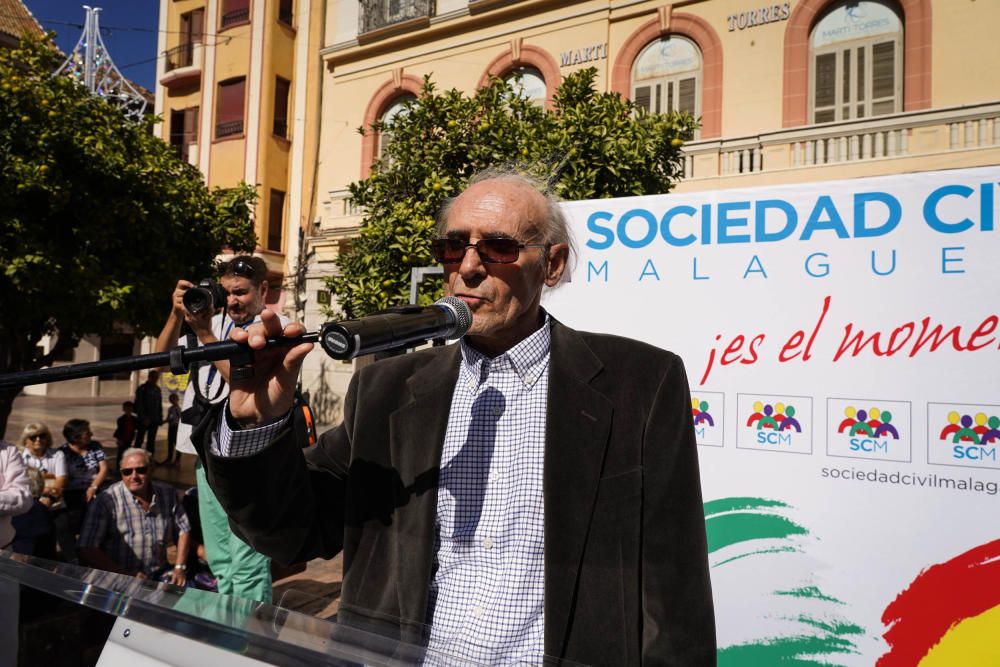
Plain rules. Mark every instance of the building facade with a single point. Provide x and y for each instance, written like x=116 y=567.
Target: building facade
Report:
x=235 y=79
x=788 y=92
x=235 y=82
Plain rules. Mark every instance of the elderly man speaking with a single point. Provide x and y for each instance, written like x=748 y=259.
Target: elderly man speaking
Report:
x=531 y=492
x=129 y=525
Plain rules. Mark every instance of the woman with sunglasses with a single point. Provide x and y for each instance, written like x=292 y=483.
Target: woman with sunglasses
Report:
x=36 y=529
x=38 y=454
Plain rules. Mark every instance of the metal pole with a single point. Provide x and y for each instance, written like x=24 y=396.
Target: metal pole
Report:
x=88 y=59
x=178 y=359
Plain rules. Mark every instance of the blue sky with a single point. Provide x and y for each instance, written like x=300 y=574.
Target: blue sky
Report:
x=128 y=28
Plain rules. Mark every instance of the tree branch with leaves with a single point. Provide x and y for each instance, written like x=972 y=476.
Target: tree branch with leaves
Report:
x=590 y=145
x=100 y=217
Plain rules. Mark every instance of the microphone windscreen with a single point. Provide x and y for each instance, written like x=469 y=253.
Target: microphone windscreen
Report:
x=462 y=312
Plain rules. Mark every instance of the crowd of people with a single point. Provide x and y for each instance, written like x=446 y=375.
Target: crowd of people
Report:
x=79 y=512
x=73 y=507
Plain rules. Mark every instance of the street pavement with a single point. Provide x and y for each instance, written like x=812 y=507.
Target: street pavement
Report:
x=314 y=591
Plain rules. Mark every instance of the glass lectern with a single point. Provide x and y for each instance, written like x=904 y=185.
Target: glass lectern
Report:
x=160 y=624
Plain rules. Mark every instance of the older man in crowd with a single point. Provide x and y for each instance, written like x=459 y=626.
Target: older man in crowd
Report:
x=129 y=525
x=531 y=492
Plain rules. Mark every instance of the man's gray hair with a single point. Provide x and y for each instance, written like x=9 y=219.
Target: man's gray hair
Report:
x=555 y=227
x=132 y=451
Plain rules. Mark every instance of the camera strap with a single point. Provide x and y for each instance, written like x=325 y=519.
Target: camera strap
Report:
x=195 y=378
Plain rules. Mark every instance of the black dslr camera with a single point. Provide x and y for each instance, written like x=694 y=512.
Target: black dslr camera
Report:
x=207 y=295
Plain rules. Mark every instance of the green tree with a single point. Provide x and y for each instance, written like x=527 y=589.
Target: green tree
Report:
x=99 y=217
x=590 y=145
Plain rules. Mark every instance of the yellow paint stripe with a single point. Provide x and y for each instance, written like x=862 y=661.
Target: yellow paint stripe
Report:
x=975 y=642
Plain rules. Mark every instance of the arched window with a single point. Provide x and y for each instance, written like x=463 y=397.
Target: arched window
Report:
x=538 y=70
x=667 y=76
x=397 y=107
x=528 y=82
x=856 y=53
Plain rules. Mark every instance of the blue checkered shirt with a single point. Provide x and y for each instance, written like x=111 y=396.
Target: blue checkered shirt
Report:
x=486 y=600
x=488 y=590
x=132 y=537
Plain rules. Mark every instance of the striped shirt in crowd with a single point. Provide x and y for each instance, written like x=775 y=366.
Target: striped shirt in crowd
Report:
x=82 y=469
x=133 y=538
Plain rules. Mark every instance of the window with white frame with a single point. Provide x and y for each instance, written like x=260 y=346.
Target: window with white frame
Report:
x=397 y=107
x=528 y=82
x=667 y=76
x=856 y=61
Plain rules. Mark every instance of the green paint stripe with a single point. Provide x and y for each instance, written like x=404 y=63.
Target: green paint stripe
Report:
x=802 y=651
x=839 y=628
x=722 y=505
x=774 y=550
x=808 y=592
x=729 y=529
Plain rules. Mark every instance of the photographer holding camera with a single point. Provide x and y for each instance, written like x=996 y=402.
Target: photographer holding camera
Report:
x=211 y=310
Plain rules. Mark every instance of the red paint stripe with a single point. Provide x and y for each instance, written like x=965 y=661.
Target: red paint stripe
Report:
x=939 y=598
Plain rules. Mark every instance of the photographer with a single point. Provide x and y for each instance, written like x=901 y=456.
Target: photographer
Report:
x=211 y=311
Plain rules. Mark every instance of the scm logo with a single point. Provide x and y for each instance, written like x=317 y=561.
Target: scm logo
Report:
x=972 y=437
x=775 y=423
x=974 y=452
x=702 y=417
x=875 y=427
x=869 y=445
x=708 y=412
x=774 y=438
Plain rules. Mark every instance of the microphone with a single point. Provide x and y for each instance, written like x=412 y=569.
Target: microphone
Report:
x=403 y=326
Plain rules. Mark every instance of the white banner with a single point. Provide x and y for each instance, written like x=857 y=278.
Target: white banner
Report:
x=841 y=341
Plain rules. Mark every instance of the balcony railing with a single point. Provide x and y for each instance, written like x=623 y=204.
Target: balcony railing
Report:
x=229 y=128
x=900 y=135
x=235 y=17
x=378 y=14
x=340 y=215
x=182 y=66
x=179 y=56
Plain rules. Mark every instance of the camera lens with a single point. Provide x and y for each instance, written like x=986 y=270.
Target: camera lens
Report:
x=197 y=299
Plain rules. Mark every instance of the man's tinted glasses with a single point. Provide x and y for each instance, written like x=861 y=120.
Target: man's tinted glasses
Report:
x=127 y=472
x=491 y=251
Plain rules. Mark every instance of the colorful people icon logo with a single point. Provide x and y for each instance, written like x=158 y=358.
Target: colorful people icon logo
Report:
x=874 y=423
x=778 y=417
x=701 y=414
x=978 y=429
